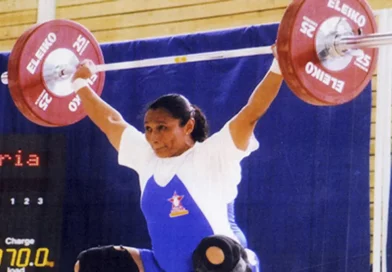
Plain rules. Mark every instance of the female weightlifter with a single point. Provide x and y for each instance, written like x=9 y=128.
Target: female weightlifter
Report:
x=187 y=179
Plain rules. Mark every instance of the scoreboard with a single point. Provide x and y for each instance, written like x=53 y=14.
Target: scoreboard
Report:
x=32 y=179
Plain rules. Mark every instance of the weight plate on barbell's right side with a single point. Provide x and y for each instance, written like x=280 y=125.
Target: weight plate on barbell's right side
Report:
x=304 y=31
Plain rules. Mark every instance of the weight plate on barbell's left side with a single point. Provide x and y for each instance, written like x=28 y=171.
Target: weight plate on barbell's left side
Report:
x=13 y=86
x=310 y=71
x=49 y=48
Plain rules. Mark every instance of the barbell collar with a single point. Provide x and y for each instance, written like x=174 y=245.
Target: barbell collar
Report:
x=4 y=78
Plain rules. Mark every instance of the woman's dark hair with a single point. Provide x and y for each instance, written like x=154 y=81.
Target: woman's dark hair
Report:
x=180 y=108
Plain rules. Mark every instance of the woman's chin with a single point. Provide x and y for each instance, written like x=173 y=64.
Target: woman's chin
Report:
x=162 y=153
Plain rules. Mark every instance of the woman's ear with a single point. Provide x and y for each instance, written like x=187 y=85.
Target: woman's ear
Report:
x=189 y=126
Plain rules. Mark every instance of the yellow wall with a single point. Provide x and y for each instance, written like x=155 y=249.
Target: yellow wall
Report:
x=114 y=20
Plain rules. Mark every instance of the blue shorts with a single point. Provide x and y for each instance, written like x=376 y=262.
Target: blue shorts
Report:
x=151 y=265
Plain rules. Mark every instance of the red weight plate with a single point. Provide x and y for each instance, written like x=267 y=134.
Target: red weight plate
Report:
x=51 y=44
x=13 y=80
x=331 y=82
x=287 y=71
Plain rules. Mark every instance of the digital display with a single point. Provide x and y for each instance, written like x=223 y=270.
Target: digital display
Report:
x=32 y=179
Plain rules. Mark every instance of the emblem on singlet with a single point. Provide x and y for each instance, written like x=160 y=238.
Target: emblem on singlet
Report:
x=177 y=208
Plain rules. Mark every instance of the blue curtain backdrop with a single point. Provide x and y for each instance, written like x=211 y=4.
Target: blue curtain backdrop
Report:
x=304 y=198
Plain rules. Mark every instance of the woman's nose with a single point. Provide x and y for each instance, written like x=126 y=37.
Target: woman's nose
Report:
x=155 y=135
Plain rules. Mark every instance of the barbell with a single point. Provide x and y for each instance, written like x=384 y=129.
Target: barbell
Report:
x=327 y=52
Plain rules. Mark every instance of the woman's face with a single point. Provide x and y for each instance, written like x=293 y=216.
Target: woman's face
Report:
x=164 y=133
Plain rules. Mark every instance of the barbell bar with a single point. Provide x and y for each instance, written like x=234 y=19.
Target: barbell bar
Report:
x=207 y=56
x=366 y=41
x=343 y=43
x=320 y=45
